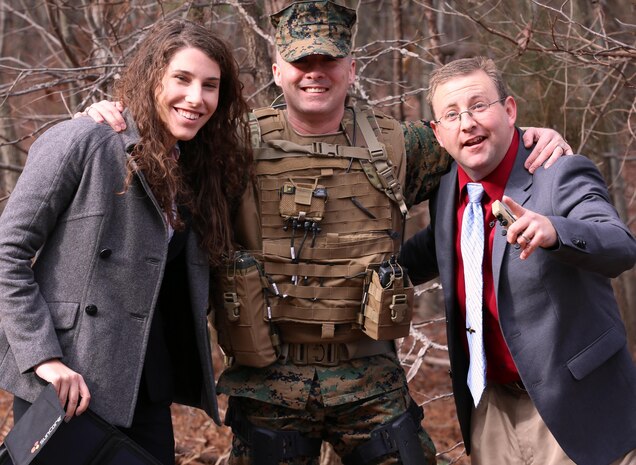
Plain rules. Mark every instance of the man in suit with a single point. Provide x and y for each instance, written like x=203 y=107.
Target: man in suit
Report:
x=542 y=375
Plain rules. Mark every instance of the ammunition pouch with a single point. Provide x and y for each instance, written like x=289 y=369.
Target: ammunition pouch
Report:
x=302 y=201
x=267 y=446
x=387 y=302
x=246 y=333
x=400 y=435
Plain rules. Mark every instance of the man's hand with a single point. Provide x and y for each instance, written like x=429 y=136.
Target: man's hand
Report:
x=531 y=230
x=550 y=146
x=69 y=385
x=110 y=112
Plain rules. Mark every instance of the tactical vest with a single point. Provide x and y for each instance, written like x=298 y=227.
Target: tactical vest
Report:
x=331 y=215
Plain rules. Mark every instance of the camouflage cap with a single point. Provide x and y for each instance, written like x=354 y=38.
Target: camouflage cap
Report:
x=313 y=28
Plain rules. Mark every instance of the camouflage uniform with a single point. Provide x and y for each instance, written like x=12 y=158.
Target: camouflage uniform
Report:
x=341 y=404
x=426 y=162
x=313 y=28
x=326 y=423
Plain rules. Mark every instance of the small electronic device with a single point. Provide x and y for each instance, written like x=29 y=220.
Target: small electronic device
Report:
x=389 y=270
x=503 y=213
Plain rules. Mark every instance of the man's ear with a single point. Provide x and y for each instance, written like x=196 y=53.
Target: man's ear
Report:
x=510 y=105
x=352 y=72
x=276 y=73
x=435 y=129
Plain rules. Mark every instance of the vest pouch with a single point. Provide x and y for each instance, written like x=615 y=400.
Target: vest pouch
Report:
x=245 y=331
x=387 y=306
x=303 y=201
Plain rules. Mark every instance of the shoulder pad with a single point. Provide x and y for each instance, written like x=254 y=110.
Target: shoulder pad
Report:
x=264 y=112
x=263 y=122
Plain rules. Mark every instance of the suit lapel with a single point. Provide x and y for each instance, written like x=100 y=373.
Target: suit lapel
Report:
x=518 y=189
x=445 y=229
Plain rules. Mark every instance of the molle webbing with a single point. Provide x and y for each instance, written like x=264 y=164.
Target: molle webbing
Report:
x=315 y=292
x=318 y=262
x=262 y=122
x=315 y=313
x=374 y=158
x=310 y=269
x=347 y=251
x=344 y=216
x=284 y=149
x=322 y=166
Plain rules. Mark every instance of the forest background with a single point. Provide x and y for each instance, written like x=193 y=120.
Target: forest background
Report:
x=571 y=65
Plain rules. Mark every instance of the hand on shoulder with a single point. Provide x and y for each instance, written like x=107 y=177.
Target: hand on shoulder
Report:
x=106 y=111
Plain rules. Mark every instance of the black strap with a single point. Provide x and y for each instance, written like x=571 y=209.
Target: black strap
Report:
x=400 y=435
x=267 y=446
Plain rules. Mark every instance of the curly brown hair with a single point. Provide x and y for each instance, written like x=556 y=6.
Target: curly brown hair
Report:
x=215 y=166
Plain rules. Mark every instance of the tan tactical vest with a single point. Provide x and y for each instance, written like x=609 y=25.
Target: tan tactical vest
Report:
x=330 y=209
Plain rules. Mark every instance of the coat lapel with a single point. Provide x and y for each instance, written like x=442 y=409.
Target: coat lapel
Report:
x=518 y=189
x=445 y=231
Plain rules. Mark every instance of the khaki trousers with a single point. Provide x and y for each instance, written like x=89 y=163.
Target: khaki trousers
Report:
x=507 y=429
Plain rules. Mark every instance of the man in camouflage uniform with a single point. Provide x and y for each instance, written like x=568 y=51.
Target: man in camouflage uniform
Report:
x=360 y=403
x=281 y=413
x=341 y=404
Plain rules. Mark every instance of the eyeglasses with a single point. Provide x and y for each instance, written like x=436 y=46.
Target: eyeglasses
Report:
x=452 y=119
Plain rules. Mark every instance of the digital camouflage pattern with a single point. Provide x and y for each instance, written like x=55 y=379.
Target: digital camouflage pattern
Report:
x=426 y=162
x=344 y=426
x=313 y=27
x=289 y=385
x=339 y=404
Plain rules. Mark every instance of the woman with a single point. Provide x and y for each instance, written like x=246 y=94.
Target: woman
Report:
x=106 y=242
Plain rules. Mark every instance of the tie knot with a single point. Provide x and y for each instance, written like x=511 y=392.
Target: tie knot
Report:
x=475 y=192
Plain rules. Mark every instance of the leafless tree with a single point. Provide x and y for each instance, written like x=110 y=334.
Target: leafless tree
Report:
x=570 y=64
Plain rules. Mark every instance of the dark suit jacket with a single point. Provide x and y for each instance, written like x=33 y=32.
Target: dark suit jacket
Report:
x=557 y=309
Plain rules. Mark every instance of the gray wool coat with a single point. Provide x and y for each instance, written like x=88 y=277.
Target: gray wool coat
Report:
x=100 y=254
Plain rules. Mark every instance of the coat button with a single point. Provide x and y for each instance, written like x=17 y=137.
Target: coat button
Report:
x=105 y=253
x=91 y=310
x=580 y=243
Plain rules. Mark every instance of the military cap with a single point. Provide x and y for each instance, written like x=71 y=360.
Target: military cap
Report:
x=314 y=27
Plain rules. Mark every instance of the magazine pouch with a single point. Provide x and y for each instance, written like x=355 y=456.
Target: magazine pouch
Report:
x=303 y=201
x=244 y=326
x=387 y=302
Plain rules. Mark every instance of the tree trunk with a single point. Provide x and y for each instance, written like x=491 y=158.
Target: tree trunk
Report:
x=9 y=154
x=259 y=58
x=398 y=72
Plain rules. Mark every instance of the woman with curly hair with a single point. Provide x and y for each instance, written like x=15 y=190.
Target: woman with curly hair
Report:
x=107 y=240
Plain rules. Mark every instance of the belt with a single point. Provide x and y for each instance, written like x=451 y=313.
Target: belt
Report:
x=331 y=354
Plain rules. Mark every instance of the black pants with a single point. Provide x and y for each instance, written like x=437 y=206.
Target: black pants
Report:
x=151 y=427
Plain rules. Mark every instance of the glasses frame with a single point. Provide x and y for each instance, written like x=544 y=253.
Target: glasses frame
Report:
x=470 y=110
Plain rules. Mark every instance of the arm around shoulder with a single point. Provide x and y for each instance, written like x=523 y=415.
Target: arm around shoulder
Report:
x=426 y=162
x=418 y=257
